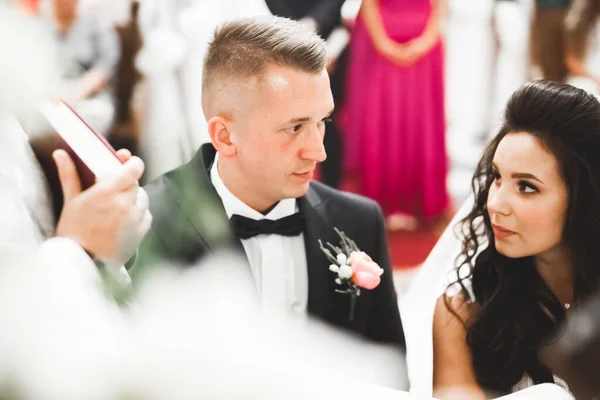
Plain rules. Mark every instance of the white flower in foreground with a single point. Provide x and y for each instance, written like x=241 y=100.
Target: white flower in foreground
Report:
x=342 y=258
x=345 y=272
x=334 y=268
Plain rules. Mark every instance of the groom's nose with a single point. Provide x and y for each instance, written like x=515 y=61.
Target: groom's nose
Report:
x=313 y=149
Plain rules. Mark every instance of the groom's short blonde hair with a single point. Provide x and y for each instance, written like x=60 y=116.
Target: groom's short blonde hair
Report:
x=245 y=48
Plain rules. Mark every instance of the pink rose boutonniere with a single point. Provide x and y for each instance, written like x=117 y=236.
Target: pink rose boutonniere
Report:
x=355 y=270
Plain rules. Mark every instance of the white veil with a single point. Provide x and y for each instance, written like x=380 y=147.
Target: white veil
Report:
x=418 y=304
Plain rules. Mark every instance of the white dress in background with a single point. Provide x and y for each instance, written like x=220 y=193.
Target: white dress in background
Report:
x=512 y=21
x=469 y=65
x=176 y=34
x=197 y=24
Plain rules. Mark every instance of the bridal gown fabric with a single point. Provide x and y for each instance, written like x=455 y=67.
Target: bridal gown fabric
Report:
x=394 y=117
x=176 y=35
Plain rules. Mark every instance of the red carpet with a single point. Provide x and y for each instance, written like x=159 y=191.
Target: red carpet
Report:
x=407 y=249
x=410 y=249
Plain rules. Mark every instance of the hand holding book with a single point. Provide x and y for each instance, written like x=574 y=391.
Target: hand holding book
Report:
x=108 y=219
x=97 y=198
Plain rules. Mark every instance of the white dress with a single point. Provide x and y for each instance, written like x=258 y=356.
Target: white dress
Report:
x=469 y=66
x=527 y=382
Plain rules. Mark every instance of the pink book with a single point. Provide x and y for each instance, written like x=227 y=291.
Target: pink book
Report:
x=94 y=157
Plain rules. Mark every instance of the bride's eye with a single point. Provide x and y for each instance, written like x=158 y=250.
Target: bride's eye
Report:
x=527 y=188
x=495 y=176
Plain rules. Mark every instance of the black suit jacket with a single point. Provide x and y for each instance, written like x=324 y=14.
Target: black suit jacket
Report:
x=190 y=222
x=327 y=13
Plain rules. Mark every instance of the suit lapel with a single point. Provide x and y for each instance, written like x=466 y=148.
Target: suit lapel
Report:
x=201 y=204
x=321 y=285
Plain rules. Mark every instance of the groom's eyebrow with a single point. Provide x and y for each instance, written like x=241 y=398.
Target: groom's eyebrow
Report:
x=298 y=120
x=306 y=119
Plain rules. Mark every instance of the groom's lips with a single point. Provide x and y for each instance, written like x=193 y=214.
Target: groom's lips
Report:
x=305 y=175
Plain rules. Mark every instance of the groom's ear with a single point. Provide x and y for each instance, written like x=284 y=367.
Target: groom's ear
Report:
x=220 y=136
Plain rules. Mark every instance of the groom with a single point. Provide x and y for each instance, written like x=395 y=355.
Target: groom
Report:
x=267 y=99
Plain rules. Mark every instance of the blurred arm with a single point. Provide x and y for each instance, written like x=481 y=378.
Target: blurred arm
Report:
x=430 y=36
x=108 y=50
x=372 y=18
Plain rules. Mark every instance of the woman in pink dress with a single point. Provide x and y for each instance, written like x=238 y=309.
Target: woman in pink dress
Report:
x=395 y=109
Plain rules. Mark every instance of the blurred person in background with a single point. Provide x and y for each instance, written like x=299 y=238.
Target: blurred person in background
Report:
x=529 y=246
x=89 y=53
x=112 y=13
x=323 y=16
x=31 y=7
x=548 y=44
x=89 y=219
x=583 y=45
x=395 y=105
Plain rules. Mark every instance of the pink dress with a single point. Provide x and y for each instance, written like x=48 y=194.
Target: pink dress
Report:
x=394 y=117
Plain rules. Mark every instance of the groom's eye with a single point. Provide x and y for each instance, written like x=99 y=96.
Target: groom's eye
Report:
x=295 y=128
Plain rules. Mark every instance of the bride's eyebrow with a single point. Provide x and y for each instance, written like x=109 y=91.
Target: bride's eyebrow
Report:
x=526 y=175
x=520 y=175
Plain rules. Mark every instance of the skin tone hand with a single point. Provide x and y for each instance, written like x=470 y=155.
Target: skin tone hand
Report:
x=399 y=54
x=402 y=54
x=111 y=217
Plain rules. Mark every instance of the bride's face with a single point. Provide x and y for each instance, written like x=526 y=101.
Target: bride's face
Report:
x=528 y=199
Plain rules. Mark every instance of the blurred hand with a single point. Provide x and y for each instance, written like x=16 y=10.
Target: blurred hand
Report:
x=420 y=47
x=110 y=218
x=398 y=54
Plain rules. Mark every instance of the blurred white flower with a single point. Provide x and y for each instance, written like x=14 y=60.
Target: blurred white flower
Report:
x=345 y=272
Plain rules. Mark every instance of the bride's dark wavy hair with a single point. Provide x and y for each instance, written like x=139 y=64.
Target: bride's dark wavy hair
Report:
x=515 y=314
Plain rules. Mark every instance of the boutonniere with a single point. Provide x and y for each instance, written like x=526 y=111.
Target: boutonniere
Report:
x=355 y=270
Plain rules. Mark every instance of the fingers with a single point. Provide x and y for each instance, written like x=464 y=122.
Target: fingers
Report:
x=128 y=178
x=143 y=219
x=67 y=174
x=139 y=207
x=144 y=226
x=124 y=155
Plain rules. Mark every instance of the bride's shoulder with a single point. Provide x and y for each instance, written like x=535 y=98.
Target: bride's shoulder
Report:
x=453 y=310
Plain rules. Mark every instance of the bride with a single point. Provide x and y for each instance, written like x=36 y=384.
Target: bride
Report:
x=529 y=246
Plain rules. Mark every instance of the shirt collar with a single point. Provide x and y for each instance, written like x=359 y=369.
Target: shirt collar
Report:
x=233 y=205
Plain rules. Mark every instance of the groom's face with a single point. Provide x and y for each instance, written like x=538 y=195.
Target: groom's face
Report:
x=280 y=138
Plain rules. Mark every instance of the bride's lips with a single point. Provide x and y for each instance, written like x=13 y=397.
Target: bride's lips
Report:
x=502 y=233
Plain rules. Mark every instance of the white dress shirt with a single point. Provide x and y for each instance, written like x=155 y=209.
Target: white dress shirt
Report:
x=278 y=262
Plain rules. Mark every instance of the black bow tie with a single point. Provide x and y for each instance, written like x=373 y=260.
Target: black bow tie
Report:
x=246 y=228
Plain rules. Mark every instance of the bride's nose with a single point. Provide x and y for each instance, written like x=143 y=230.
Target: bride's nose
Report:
x=498 y=200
